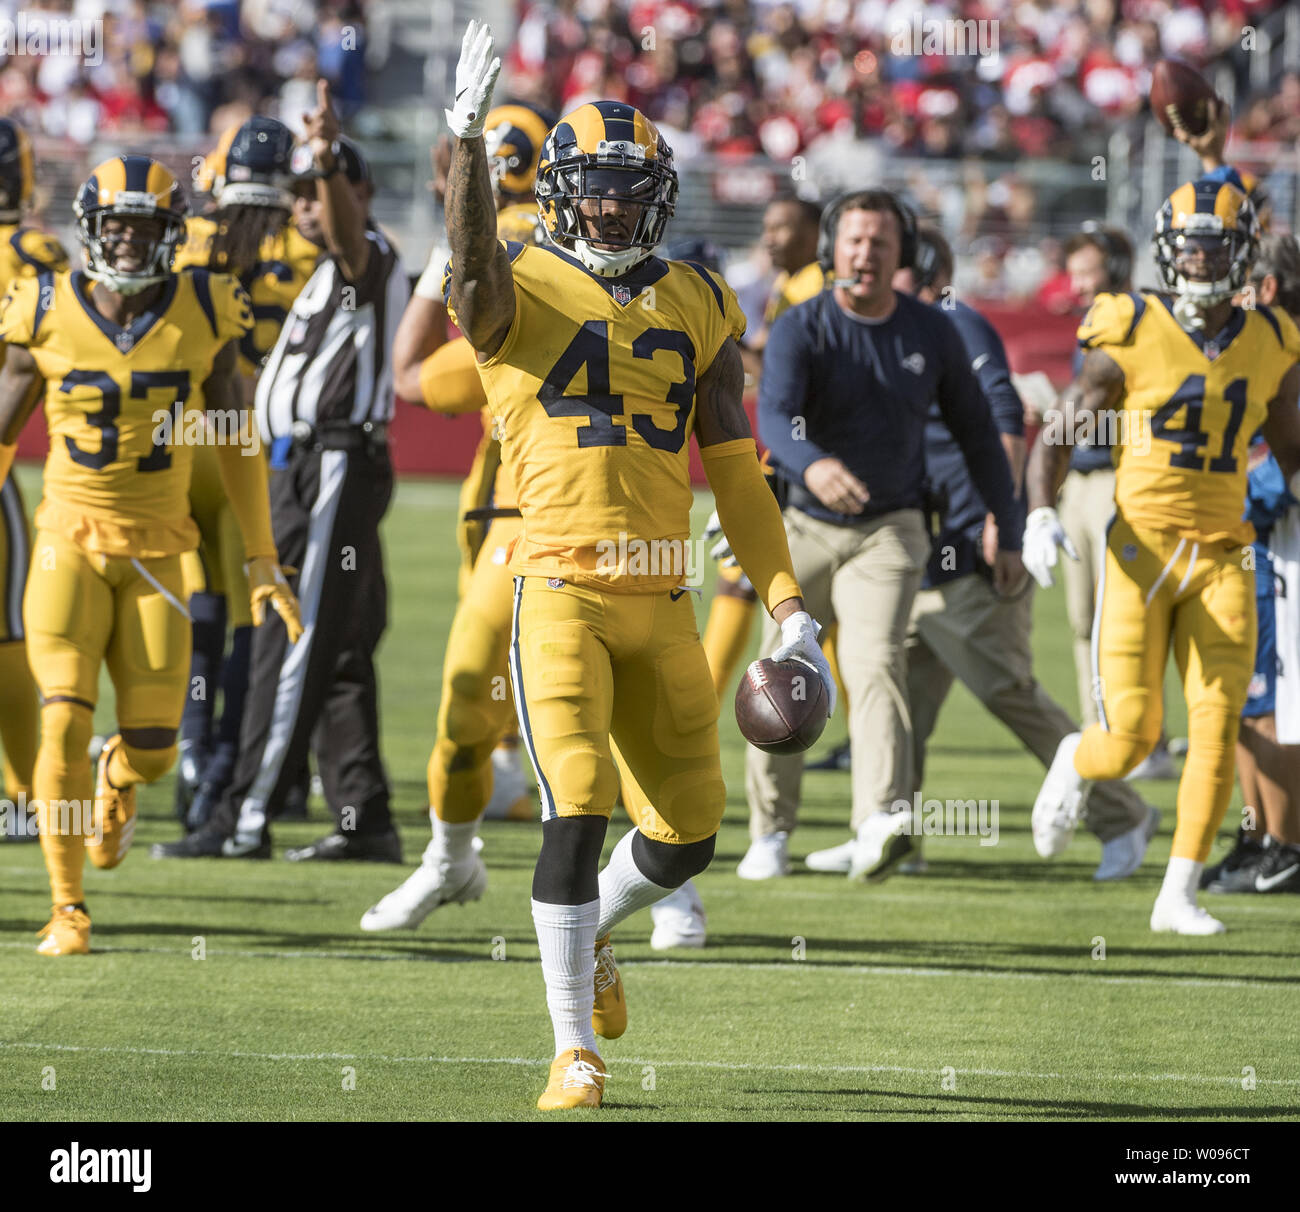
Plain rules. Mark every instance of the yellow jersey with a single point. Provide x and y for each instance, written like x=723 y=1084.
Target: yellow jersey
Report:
x=790 y=289
x=592 y=395
x=285 y=261
x=1190 y=407
x=25 y=252
x=121 y=404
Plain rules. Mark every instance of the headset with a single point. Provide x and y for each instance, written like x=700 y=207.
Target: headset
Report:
x=1118 y=258
x=831 y=221
x=925 y=264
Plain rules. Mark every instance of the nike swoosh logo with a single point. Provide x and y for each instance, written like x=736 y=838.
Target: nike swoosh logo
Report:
x=1267 y=884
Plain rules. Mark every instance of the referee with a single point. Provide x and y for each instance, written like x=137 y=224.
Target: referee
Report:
x=324 y=400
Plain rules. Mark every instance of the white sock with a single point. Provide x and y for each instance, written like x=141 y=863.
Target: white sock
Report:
x=452 y=844
x=1182 y=878
x=567 y=936
x=623 y=889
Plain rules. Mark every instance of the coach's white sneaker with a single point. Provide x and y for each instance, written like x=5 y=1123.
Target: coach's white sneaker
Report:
x=836 y=859
x=680 y=920
x=882 y=843
x=1061 y=800
x=427 y=887
x=511 y=799
x=1173 y=915
x=767 y=858
x=1123 y=855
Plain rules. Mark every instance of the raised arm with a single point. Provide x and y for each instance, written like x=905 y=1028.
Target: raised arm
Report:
x=342 y=217
x=1097 y=388
x=482 y=289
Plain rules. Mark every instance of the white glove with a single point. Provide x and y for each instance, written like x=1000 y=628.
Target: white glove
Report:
x=476 y=74
x=799 y=634
x=722 y=549
x=1043 y=535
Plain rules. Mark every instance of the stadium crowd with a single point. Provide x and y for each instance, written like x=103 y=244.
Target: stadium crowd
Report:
x=179 y=67
x=739 y=78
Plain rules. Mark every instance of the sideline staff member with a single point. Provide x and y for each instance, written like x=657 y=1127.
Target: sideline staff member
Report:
x=848 y=378
x=323 y=405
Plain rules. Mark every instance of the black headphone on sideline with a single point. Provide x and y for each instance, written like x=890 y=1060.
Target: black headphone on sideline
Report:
x=925 y=265
x=831 y=221
x=1118 y=259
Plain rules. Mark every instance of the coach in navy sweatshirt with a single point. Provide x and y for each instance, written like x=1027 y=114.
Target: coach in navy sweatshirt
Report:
x=848 y=381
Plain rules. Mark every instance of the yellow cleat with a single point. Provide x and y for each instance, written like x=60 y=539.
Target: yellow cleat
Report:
x=609 y=1011
x=577 y=1080
x=68 y=932
x=114 y=813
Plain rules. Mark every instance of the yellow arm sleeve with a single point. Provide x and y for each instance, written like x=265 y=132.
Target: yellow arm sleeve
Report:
x=751 y=519
x=449 y=381
x=243 y=472
x=7 y=458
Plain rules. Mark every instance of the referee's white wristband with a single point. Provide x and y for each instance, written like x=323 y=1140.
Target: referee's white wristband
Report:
x=430 y=284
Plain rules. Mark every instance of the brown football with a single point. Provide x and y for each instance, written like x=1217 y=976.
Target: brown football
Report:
x=1178 y=97
x=781 y=706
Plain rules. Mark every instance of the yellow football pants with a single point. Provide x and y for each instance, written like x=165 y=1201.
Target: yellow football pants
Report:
x=17 y=689
x=589 y=668
x=82 y=611
x=476 y=708
x=1157 y=589
x=221 y=546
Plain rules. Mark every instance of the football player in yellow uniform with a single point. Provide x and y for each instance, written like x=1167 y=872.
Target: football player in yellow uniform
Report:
x=1191 y=377
x=469 y=772
x=599 y=361
x=24 y=252
x=248 y=234
x=125 y=357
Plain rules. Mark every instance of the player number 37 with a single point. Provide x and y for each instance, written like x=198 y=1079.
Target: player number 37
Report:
x=600 y=405
x=105 y=419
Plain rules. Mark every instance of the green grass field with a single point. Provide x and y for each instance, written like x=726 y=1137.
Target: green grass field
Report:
x=974 y=991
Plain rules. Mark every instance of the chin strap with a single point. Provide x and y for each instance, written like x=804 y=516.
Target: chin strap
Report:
x=122 y=284
x=609 y=264
x=1190 y=312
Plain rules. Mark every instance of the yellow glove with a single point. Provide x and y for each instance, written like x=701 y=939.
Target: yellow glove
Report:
x=266 y=583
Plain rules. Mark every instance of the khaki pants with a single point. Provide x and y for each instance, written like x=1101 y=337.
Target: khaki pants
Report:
x=1087 y=504
x=865 y=577
x=962 y=629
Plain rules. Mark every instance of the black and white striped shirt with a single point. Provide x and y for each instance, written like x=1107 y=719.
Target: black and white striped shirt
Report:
x=332 y=363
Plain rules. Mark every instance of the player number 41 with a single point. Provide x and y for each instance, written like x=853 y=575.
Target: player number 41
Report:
x=1190 y=436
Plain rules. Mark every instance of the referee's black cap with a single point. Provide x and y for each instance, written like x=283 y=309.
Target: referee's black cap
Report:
x=352 y=162
x=355 y=167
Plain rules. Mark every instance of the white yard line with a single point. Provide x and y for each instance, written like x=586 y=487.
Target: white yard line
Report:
x=183 y=948
x=727 y=1066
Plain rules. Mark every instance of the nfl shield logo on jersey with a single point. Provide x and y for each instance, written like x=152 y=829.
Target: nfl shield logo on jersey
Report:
x=622 y=294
